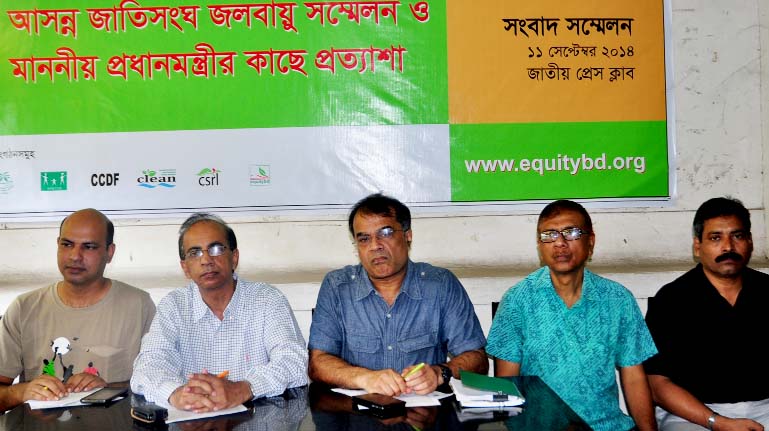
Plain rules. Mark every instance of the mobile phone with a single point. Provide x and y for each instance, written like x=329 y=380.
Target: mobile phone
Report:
x=380 y=405
x=104 y=395
x=149 y=414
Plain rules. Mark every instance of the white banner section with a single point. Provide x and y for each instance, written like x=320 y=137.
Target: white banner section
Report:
x=227 y=170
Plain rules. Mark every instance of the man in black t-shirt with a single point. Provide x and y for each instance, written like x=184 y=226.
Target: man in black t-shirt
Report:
x=708 y=326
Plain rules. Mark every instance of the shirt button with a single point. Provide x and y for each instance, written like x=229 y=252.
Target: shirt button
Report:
x=389 y=347
x=422 y=274
x=352 y=277
x=389 y=315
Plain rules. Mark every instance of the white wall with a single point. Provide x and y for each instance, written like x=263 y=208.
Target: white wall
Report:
x=721 y=89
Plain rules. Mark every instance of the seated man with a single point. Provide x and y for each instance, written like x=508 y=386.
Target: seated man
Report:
x=574 y=328
x=375 y=321
x=708 y=325
x=77 y=334
x=221 y=340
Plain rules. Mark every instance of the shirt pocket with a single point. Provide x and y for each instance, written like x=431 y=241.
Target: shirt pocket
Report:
x=419 y=347
x=365 y=351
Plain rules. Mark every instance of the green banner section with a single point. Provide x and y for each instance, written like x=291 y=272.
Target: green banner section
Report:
x=389 y=69
x=511 y=162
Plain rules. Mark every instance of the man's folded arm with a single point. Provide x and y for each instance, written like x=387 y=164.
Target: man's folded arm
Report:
x=10 y=394
x=287 y=366
x=471 y=360
x=678 y=400
x=335 y=371
x=157 y=368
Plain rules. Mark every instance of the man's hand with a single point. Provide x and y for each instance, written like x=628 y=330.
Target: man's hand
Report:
x=222 y=392
x=84 y=382
x=422 y=381
x=385 y=382
x=724 y=423
x=44 y=388
x=188 y=398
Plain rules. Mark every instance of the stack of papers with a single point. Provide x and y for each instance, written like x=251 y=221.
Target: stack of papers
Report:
x=177 y=415
x=476 y=390
x=412 y=400
x=482 y=414
x=70 y=400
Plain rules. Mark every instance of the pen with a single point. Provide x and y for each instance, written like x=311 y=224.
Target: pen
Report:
x=223 y=374
x=414 y=370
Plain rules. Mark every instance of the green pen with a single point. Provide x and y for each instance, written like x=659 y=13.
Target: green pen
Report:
x=414 y=370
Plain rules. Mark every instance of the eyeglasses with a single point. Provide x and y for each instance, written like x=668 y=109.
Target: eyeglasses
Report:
x=569 y=234
x=213 y=251
x=384 y=233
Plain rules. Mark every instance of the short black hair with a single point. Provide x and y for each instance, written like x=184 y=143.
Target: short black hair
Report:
x=719 y=207
x=110 y=231
x=232 y=242
x=556 y=207
x=382 y=205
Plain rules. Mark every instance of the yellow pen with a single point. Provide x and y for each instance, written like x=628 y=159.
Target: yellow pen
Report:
x=414 y=370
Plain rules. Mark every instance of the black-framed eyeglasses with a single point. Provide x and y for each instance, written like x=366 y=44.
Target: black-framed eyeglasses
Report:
x=213 y=251
x=384 y=233
x=569 y=234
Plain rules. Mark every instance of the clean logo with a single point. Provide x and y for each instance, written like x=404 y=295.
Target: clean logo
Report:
x=161 y=178
x=208 y=177
x=53 y=181
x=105 y=180
x=6 y=182
x=259 y=175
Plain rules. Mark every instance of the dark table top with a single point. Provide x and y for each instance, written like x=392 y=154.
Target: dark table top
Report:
x=315 y=408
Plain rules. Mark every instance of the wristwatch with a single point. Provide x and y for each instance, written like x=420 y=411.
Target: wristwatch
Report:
x=446 y=373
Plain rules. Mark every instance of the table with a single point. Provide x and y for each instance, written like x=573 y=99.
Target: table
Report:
x=313 y=408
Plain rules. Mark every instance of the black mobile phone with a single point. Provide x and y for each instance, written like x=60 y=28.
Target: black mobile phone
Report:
x=149 y=414
x=104 y=395
x=380 y=405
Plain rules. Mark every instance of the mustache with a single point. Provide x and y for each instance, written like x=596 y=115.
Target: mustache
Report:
x=730 y=255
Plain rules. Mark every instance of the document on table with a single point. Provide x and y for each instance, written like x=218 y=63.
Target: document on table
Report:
x=176 y=415
x=71 y=400
x=412 y=400
x=470 y=397
x=486 y=413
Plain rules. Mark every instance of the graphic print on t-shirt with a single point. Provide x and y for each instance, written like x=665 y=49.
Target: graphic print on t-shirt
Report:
x=91 y=369
x=60 y=347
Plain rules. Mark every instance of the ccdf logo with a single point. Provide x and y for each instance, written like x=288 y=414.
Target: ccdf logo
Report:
x=101 y=180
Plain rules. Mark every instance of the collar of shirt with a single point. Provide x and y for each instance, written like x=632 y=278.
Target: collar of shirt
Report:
x=363 y=287
x=200 y=309
x=746 y=291
x=589 y=292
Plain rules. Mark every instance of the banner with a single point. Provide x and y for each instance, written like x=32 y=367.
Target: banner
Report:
x=148 y=106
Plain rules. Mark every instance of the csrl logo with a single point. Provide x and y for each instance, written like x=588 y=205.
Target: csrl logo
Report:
x=208 y=177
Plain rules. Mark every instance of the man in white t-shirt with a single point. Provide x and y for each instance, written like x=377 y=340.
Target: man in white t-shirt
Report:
x=77 y=334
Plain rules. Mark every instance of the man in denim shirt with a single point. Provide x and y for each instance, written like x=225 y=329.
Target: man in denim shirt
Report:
x=374 y=322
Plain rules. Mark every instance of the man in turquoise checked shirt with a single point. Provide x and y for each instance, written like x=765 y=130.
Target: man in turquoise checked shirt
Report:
x=574 y=328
